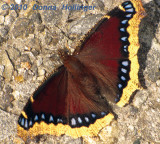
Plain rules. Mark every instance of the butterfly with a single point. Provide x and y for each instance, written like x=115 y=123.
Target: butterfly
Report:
x=103 y=69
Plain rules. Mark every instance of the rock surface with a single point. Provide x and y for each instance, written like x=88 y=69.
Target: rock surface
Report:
x=29 y=40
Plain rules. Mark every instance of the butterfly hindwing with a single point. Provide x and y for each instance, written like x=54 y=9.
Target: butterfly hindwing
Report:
x=65 y=107
x=48 y=100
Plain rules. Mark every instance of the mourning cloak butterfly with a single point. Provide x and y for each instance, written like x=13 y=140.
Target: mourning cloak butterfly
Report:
x=104 y=68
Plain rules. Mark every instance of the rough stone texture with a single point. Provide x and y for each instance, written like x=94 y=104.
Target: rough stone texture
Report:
x=4 y=9
x=29 y=42
x=8 y=66
x=8 y=126
x=22 y=27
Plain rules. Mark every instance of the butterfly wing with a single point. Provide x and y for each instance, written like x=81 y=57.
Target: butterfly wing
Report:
x=111 y=51
x=59 y=106
x=47 y=104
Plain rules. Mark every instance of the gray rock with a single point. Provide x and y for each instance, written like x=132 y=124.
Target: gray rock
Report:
x=136 y=123
x=83 y=25
x=8 y=20
x=140 y=98
x=137 y=141
x=36 y=18
x=52 y=17
x=48 y=39
x=1 y=40
x=40 y=28
x=34 y=44
x=1 y=82
x=1 y=19
x=13 y=53
x=39 y=61
x=13 y=13
x=157 y=2
x=8 y=67
x=25 y=58
x=34 y=69
x=4 y=31
x=8 y=89
x=23 y=27
x=1 y=69
x=4 y=8
x=98 y=4
x=150 y=126
x=6 y=98
x=8 y=126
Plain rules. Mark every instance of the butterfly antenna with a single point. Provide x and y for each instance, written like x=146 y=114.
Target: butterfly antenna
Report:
x=63 y=33
x=66 y=44
x=60 y=30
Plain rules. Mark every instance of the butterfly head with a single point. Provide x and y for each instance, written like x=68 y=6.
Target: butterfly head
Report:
x=63 y=53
